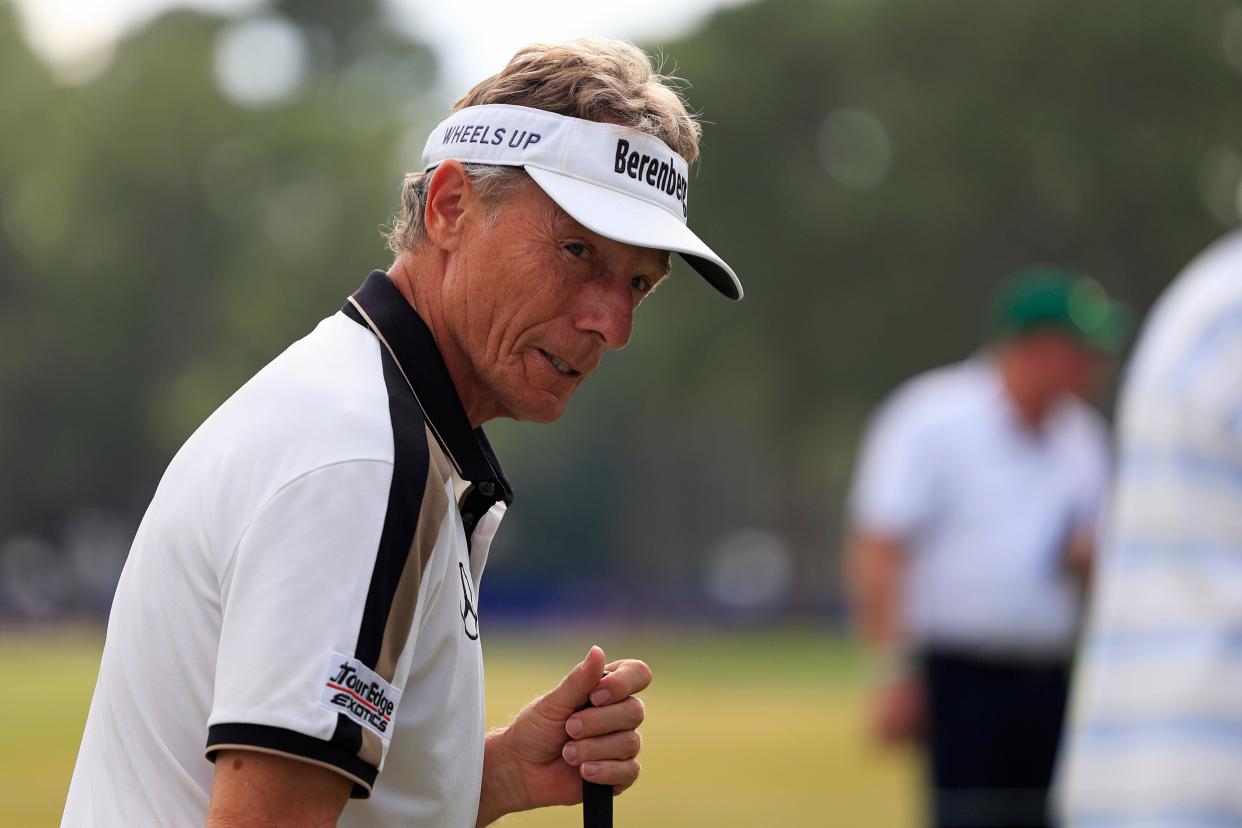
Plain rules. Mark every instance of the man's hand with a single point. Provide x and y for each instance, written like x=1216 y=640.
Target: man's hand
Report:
x=899 y=714
x=543 y=756
x=1080 y=558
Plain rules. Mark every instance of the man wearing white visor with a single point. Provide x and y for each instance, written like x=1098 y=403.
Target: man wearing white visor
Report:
x=295 y=639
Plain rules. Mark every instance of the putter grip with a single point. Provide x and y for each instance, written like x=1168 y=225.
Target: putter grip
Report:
x=596 y=799
x=596 y=805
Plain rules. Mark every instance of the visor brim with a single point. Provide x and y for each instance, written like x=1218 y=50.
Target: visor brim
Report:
x=623 y=218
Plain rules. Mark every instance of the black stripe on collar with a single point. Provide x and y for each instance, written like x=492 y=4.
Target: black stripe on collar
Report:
x=415 y=351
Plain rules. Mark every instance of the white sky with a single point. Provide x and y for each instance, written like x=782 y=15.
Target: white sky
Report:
x=472 y=39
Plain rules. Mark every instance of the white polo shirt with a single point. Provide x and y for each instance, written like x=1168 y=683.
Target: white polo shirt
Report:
x=986 y=507
x=304 y=583
x=1155 y=735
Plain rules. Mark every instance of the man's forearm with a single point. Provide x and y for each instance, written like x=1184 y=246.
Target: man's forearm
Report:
x=875 y=572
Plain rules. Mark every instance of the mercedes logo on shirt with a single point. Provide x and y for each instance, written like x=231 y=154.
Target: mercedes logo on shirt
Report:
x=469 y=617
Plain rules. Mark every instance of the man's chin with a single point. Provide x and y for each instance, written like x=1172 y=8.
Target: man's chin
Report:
x=538 y=407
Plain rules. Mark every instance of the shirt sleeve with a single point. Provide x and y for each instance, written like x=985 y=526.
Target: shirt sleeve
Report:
x=309 y=589
x=893 y=486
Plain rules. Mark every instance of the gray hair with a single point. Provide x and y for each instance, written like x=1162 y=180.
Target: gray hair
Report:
x=493 y=183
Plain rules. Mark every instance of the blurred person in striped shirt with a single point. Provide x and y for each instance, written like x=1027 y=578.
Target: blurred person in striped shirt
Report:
x=1155 y=729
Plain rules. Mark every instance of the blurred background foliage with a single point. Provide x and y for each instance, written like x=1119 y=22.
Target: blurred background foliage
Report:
x=872 y=170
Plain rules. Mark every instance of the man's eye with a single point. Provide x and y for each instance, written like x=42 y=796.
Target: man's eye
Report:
x=578 y=251
x=641 y=284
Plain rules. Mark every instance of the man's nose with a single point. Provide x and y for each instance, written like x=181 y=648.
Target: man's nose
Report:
x=607 y=310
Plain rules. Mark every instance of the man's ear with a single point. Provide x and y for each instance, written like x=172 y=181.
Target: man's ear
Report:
x=451 y=203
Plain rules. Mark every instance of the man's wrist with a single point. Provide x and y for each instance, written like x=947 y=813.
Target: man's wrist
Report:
x=502 y=790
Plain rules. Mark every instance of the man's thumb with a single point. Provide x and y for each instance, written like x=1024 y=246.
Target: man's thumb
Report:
x=574 y=689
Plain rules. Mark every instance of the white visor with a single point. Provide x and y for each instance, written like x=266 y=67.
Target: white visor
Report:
x=625 y=185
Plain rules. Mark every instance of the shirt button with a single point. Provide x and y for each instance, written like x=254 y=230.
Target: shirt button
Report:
x=488 y=488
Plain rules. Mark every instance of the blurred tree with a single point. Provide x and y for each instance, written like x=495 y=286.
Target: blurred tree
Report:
x=339 y=19
x=872 y=169
x=162 y=242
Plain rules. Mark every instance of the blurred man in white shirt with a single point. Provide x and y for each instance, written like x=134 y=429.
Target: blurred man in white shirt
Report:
x=973 y=508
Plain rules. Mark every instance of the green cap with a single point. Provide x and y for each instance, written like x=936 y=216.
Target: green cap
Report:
x=1054 y=297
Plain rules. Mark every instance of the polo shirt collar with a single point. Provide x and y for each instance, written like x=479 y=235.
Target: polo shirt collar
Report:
x=408 y=339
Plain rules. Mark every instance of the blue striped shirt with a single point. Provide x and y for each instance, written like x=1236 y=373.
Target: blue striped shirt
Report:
x=1155 y=732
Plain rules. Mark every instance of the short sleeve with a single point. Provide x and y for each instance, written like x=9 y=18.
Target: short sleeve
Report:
x=294 y=600
x=893 y=486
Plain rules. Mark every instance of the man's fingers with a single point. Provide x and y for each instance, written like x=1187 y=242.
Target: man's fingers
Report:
x=572 y=692
x=599 y=721
x=625 y=678
x=619 y=774
x=623 y=745
x=584 y=682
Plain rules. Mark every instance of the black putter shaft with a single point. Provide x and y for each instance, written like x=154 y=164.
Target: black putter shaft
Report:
x=596 y=805
x=596 y=799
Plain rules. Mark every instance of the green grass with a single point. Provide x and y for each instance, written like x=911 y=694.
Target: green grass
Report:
x=743 y=729
x=53 y=679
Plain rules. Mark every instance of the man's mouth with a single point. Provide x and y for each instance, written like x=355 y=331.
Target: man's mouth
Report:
x=559 y=364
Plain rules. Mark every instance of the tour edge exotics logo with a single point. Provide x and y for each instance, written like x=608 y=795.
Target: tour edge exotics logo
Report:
x=661 y=174
x=355 y=690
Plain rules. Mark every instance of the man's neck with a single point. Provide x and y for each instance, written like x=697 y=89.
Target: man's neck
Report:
x=420 y=281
